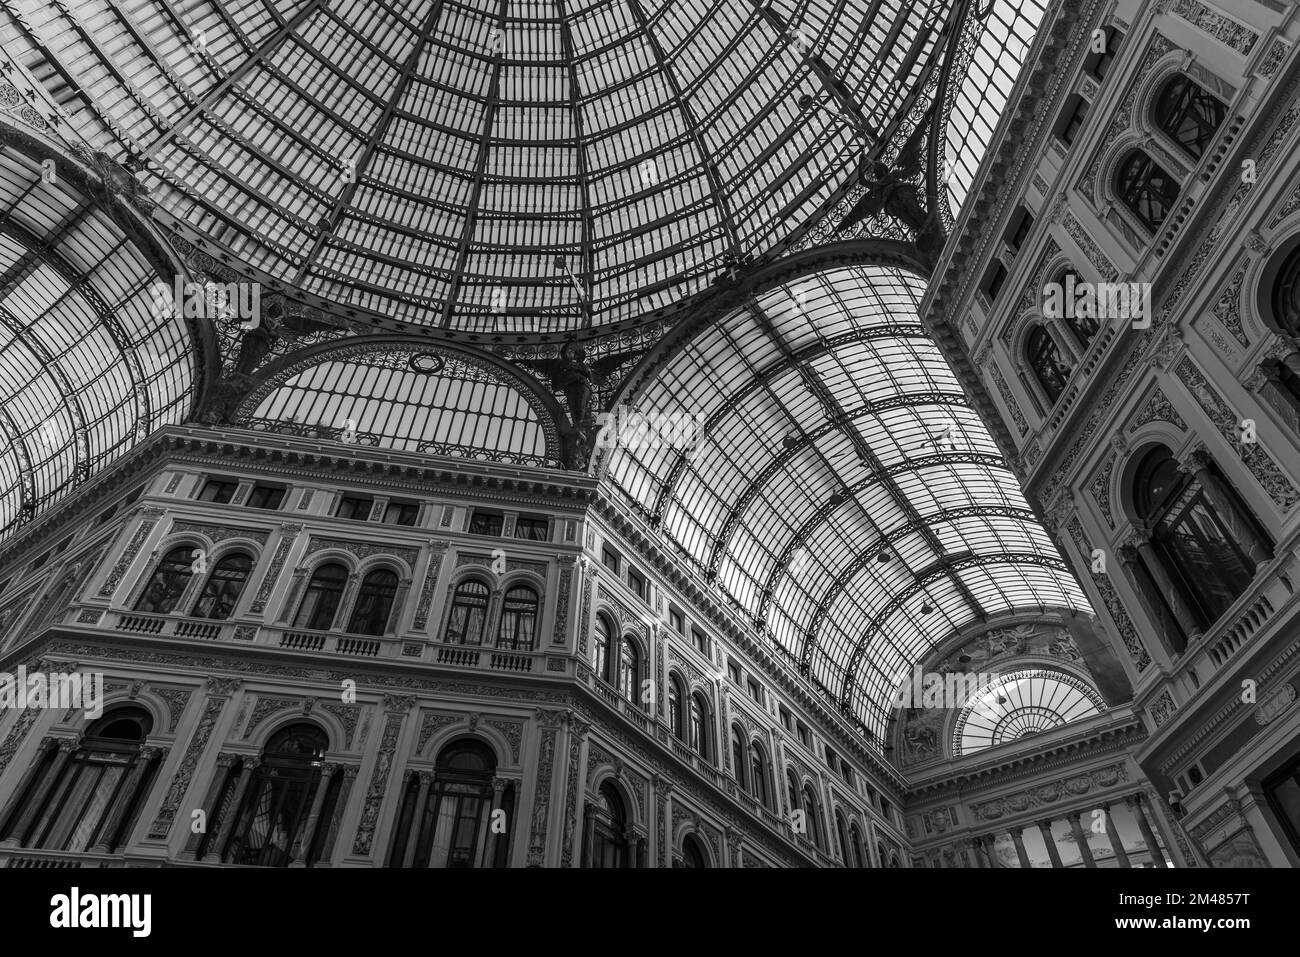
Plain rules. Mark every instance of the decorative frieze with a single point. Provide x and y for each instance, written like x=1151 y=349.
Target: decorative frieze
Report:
x=1227 y=309
x=1074 y=229
x=1163 y=708
x=1099 y=488
x=378 y=782
x=1157 y=408
x=362 y=549
x=542 y=794
x=1051 y=793
x=288 y=534
x=562 y=604
x=1224 y=29
x=212 y=707
x=437 y=549
x=128 y=555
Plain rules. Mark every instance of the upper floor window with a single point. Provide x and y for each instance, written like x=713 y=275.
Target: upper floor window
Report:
x=321 y=602
x=757 y=773
x=810 y=815
x=636 y=581
x=995 y=280
x=518 y=619
x=1019 y=232
x=220 y=491
x=1078 y=311
x=1202 y=536
x=468 y=613
x=266 y=496
x=787 y=720
x=629 y=670
x=1146 y=188
x=486 y=523
x=224 y=586
x=532 y=529
x=374 y=603
x=675 y=723
x=168 y=581
x=1189 y=114
x=804 y=737
x=400 y=513
x=675 y=619
x=355 y=506
x=1099 y=60
x=700 y=640
x=738 y=755
x=832 y=759
x=601 y=641
x=733 y=672
x=609 y=558
x=755 y=690
x=1076 y=111
x=699 y=729
x=1045 y=362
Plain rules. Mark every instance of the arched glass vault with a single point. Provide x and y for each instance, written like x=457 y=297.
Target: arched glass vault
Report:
x=845 y=495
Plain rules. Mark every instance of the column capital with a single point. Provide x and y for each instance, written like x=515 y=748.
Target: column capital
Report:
x=499 y=784
x=1196 y=459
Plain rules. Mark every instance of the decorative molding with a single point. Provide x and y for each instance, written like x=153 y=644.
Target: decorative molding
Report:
x=378 y=783
x=1224 y=29
x=1051 y=793
x=288 y=534
x=185 y=771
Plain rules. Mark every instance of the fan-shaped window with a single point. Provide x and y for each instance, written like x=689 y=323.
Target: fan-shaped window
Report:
x=1022 y=704
x=608 y=844
x=224 y=586
x=1189 y=114
x=1046 y=363
x=699 y=728
x=276 y=804
x=692 y=855
x=321 y=600
x=468 y=616
x=629 y=670
x=168 y=582
x=675 y=701
x=518 y=619
x=601 y=641
x=375 y=398
x=1146 y=188
x=374 y=603
x=757 y=773
x=738 y=755
x=89 y=802
x=1192 y=520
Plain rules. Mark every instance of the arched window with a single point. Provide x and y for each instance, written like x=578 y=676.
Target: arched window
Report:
x=810 y=816
x=675 y=722
x=168 y=581
x=374 y=603
x=224 y=586
x=855 y=841
x=1080 y=312
x=842 y=835
x=321 y=601
x=91 y=802
x=1198 y=532
x=518 y=619
x=468 y=613
x=792 y=790
x=1146 y=188
x=699 y=730
x=757 y=773
x=1045 y=360
x=738 y=755
x=457 y=814
x=692 y=855
x=1189 y=114
x=271 y=818
x=629 y=666
x=601 y=643
x=608 y=842
x=1285 y=298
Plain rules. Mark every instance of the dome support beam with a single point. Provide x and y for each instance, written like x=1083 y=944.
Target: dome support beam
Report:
x=586 y=268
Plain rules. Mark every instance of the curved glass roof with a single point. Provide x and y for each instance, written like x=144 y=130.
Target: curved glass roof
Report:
x=1022 y=703
x=845 y=493
x=87 y=366
x=484 y=165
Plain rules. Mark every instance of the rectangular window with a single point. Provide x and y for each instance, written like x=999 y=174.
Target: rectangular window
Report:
x=1283 y=791
x=486 y=523
x=884 y=809
x=675 y=619
x=832 y=759
x=733 y=672
x=355 y=506
x=701 y=641
x=266 y=496
x=755 y=690
x=400 y=513
x=636 y=581
x=1021 y=232
x=848 y=774
x=787 y=720
x=609 y=558
x=533 y=529
x=1072 y=120
x=218 y=491
x=804 y=737
x=996 y=277
x=1098 y=63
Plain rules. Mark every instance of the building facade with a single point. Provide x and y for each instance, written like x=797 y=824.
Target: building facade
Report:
x=333 y=629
